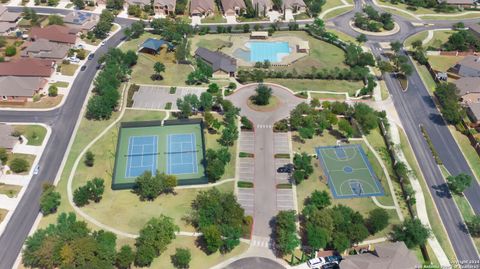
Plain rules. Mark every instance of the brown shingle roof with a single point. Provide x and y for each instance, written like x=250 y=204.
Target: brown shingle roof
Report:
x=471 y=61
x=20 y=86
x=7 y=141
x=201 y=6
x=55 y=33
x=217 y=60
x=467 y=85
x=292 y=3
x=262 y=3
x=232 y=5
x=27 y=67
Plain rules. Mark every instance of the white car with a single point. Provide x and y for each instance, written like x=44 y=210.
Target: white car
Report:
x=36 y=170
x=73 y=59
x=316 y=263
x=103 y=43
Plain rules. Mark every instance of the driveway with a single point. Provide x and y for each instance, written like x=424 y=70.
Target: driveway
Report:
x=265 y=182
x=157 y=97
x=254 y=263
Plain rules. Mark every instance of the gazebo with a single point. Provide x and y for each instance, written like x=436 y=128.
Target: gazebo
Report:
x=153 y=45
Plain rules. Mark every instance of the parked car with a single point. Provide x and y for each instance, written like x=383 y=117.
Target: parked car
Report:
x=316 y=263
x=103 y=43
x=288 y=168
x=36 y=170
x=91 y=55
x=332 y=265
x=329 y=262
x=73 y=59
x=83 y=68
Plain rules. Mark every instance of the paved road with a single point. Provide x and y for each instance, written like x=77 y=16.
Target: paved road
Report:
x=254 y=263
x=415 y=107
x=63 y=122
x=264 y=172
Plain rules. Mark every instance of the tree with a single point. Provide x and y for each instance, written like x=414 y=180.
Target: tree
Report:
x=125 y=257
x=396 y=46
x=148 y=186
x=263 y=95
x=385 y=67
x=49 y=200
x=89 y=159
x=52 y=91
x=95 y=188
x=366 y=117
x=340 y=242
x=285 y=232
x=447 y=94
x=377 y=220
x=10 y=51
x=317 y=237
x=159 y=68
x=79 y=4
x=19 y=165
x=3 y=156
x=212 y=238
x=406 y=69
x=55 y=19
x=181 y=259
x=229 y=135
x=303 y=167
x=319 y=199
x=81 y=196
x=153 y=239
x=213 y=88
x=473 y=226
x=345 y=127
x=306 y=132
x=206 y=101
x=459 y=183
x=362 y=38
x=412 y=232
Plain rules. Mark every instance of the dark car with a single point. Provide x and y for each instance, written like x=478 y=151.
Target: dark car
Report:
x=91 y=56
x=282 y=169
x=83 y=68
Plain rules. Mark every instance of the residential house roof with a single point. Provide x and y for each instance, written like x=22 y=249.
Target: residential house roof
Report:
x=293 y=3
x=7 y=16
x=42 y=48
x=474 y=110
x=470 y=61
x=168 y=3
x=155 y=44
x=138 y=2
x=458 y=2
x=7 y=141
x=466 y=85
x=202 y=6
x=218 y=60
x=232 y=5
x=81 y=20
x=20 y=86
x=262 y=3
x=386 y=255
x=27 y=67
x=55 y=33
x=475 y=28
x=6 y=26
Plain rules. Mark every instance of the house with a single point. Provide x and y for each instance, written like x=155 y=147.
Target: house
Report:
x=468 y=66
x=473 y=112
x=223 y=66
x=233 y=7
x=7 y=27
x=164 y=7
x=140 y=3
x=459 y=3
x=7 y=16
x=55 y=33
x=469 y=89
x=297 y=6
x=7 y=141
x=81 y=21
x=202 y=8
x=27 y=67
x=44 y=49
x=386 y=255
x=475 y=29
x=153 y=46
x=262 y=6
x=20 y=89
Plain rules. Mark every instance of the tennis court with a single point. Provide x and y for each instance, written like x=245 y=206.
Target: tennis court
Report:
x=175 y=148
x=349 y=172
x=142 y=155
x=182 y=154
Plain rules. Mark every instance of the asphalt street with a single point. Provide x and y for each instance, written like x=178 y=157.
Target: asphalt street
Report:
x=62 y=122
x=415 y=107
x=254 y=263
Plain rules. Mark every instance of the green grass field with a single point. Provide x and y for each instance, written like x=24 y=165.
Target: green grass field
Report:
x=28 y=157
x=9 y=190
x=336 y=12
x=328 y=96
x=299 y=85
x=35 y=134
x=125 y=167
x=68 y=69
x=443 y=63
x=468 y=151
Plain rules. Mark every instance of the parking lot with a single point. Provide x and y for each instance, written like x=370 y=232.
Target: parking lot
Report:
x=246 y=199
x=247 y=142
x=285 y=199
x=280 y=143
x=246 y=166
x=157 y=97
x=281 y=177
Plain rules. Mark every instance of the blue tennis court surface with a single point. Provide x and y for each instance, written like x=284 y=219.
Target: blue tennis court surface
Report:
x=182 y=154
x=142 y=155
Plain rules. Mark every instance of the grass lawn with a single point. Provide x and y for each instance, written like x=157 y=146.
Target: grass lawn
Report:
x=464 y=16
x=300 y=85
x=273 y=104
x=435 y=221
x=211 y=42
x=212 y=143
x=439 y=38
x=216 y=18
x=418 y=36
x=420 y=11
x=426 y=77
x=68 y=69
x=336 y=12
x=328 y=96
x=468 y=151
x=9 y=190
x=443 y=63
x=384 y=90
x=61 y=84
x=341 y=35
x=28 y=157
x=3 y=213
x=35 y=134
x=199 y=260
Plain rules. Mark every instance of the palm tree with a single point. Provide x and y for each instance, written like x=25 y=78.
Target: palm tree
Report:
x=159 y=68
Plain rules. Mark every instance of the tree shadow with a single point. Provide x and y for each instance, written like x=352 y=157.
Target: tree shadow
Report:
x=442 y=191
x=436 y=118
x=429 y=101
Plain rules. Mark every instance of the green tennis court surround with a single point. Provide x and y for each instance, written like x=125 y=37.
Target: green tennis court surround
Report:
x=349 y=172
x=177 y=147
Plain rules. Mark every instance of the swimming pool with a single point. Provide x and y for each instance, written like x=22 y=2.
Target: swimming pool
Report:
x=271 y=51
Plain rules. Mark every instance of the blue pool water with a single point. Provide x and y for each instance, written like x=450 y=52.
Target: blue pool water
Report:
x=272 y=51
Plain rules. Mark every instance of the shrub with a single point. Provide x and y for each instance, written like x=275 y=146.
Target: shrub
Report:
x=50 y=199
x=182 y=257
x=53 y=91
x=89 y=159
x=10 y=51
x=3 y=156
x=19 y=165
